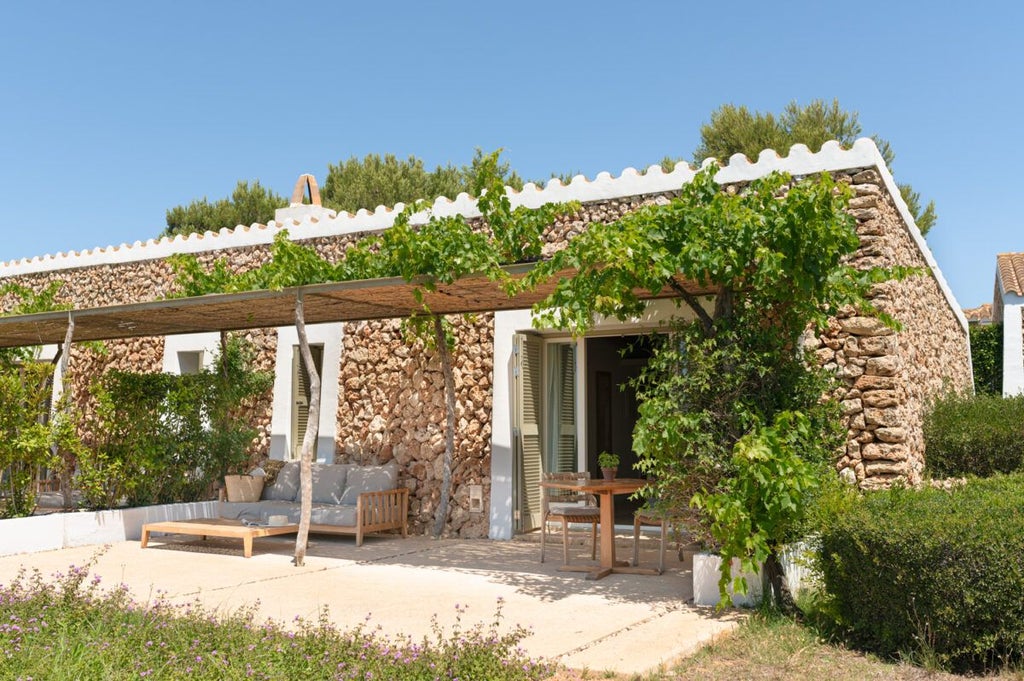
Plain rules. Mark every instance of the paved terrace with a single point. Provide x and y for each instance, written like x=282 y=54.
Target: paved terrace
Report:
x=623 y=623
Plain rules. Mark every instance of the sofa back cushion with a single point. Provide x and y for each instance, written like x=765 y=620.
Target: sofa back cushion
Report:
x=286 y=486
x=329 y=482
x=369 y=479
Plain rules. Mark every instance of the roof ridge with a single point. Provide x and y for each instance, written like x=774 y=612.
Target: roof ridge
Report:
x=630 y=182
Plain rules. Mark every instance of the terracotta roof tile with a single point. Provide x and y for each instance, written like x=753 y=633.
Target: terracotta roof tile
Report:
x=980 y=314
x=1011 y=272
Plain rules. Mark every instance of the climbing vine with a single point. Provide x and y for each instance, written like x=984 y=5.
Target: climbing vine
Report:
x=727 y=403
x=441 y=250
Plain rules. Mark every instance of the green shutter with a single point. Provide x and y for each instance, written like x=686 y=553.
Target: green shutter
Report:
x=301 y=394
x=526 y=429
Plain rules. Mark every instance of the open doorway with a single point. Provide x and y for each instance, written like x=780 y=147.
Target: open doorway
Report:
x=612 y=364
x=562 y=398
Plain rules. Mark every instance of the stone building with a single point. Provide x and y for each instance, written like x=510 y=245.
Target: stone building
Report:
x=531 y=399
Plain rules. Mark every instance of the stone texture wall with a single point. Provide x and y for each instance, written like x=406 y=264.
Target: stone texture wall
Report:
x=391 y=406
x=149 y=280
x=260 y=410
x=889 y=376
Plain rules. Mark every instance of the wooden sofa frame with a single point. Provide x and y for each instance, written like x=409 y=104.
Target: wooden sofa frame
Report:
x=376 y=512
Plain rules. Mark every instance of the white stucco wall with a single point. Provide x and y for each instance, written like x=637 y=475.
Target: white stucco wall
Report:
x=1013 y=346
x=207 y=343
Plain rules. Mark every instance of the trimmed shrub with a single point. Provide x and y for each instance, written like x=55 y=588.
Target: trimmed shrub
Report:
x=934 y=571
x=979 y=435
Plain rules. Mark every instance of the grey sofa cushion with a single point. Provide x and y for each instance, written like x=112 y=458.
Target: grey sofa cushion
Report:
x=329 y=483
x=369 y=479
x=333 y=514
x=260 y=511
x=286 y=486
x=574 y=509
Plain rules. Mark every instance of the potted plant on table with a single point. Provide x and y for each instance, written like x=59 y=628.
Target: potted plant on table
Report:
x=609 y=464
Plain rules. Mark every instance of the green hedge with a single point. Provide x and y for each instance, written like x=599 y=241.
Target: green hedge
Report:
x=979 y=435
x=932 y=570
x=987 y=358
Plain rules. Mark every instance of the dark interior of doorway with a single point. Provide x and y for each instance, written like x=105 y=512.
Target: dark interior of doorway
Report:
x=612 y=363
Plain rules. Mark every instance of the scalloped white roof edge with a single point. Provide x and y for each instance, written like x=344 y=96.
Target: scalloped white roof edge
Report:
x=800 y=161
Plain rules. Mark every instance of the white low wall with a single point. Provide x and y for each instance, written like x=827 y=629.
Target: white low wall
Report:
x=84 y=528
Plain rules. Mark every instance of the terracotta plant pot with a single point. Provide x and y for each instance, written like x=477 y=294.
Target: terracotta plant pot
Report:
x=608 y=473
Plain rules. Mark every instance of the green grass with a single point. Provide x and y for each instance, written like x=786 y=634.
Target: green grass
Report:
x=71 y=627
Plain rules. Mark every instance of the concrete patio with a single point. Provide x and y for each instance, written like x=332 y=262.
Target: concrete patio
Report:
x=623 y=623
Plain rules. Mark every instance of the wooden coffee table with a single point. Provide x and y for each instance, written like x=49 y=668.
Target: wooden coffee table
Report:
x=217 y=527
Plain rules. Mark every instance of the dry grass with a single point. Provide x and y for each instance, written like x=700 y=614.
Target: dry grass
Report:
x=778 y=650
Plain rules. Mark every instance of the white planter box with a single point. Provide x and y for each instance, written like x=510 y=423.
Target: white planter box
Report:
x=707 y=571
x=92 y=527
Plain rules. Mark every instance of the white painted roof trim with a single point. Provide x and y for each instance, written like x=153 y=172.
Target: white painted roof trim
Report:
x=800 y=161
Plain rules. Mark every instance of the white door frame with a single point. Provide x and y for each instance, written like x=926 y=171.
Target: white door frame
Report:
x=506 y=325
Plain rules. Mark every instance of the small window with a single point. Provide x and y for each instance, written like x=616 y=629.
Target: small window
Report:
x=190 y=362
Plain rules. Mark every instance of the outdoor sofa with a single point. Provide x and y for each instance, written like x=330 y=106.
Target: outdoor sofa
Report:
x=347 y=499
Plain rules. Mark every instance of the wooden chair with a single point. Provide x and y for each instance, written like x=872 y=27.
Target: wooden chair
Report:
x=649 y=516
x=568 y=506
x=49 y=483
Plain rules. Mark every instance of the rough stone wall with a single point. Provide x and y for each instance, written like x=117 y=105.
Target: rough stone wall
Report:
x=889 y=376
x=390 y=399
x=259 y=411
x=145 y=355
x=567 y=227
x=149 y=280
x=392 y=406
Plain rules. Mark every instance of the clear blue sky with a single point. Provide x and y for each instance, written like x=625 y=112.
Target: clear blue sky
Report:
x=113 y=112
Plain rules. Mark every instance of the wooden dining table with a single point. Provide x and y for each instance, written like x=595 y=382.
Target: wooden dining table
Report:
x=605 y=490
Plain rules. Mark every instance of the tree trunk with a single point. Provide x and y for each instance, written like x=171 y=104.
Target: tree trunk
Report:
x=707 y=323
x=775 y=587
x=223 y=354
x=449 y=437
x=68 y=459
x=310 y=438
x=724 y=303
